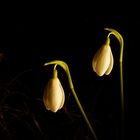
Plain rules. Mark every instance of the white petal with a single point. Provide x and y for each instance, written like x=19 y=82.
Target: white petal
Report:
x=53 y=95
x=110 y=65
x=103 y=60
x=94 y=61
x=63 y=97
x=46 y=96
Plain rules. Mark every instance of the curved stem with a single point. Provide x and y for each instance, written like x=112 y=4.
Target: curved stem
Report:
x=120 y=39
x=66 y=68
x=55 y=66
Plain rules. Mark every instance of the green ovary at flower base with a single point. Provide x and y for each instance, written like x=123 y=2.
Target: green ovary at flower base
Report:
x=102 y=62
x=52 y=91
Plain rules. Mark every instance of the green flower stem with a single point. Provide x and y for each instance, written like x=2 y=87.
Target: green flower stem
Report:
x=65 y=67
x=120 y=39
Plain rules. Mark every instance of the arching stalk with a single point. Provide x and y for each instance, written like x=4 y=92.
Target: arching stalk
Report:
x=121 y=41
x=66 y=69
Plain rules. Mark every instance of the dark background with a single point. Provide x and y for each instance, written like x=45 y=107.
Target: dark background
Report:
x=35 y=35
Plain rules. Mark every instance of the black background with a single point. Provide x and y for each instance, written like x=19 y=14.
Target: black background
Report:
x=36 y=34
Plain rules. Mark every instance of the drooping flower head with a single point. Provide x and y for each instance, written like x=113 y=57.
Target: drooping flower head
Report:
x=103 y=61
x=54 y=96
x=52 y=102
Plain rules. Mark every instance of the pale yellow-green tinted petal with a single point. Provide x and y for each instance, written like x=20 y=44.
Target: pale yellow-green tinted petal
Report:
x=94 y=61
x=46 y=96
x=110 y=65
x=62 y=94
x=103 y=60
x=54 y=95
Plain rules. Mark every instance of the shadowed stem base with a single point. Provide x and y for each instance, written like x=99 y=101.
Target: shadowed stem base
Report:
x=122 y=102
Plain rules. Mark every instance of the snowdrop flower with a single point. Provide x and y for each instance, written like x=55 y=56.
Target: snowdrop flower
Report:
x=102 y=62
x=54 y=96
